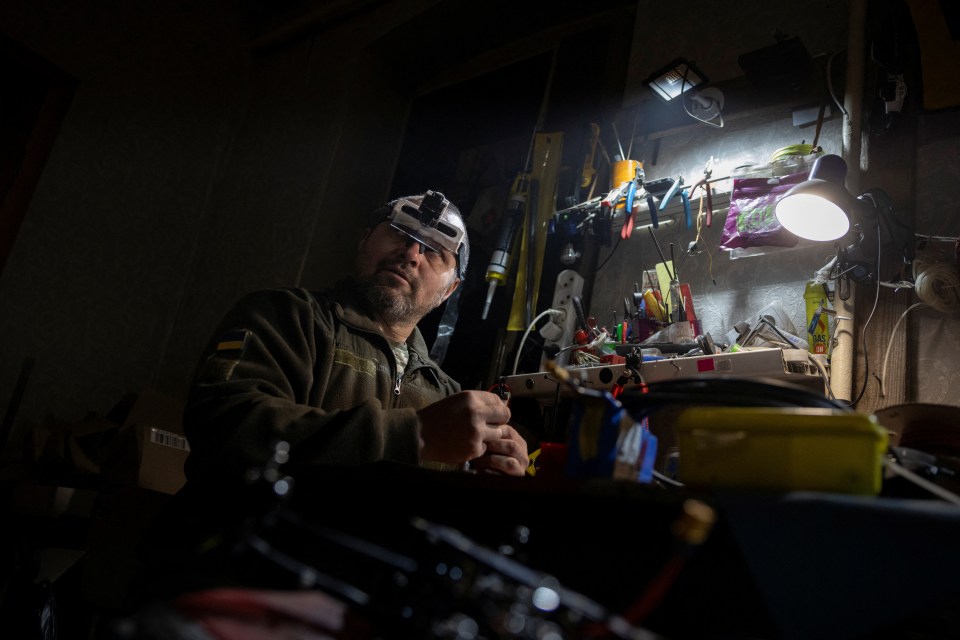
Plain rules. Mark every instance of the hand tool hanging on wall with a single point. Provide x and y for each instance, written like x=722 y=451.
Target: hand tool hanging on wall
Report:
x=627 y=179
x=628 y=216
x=517 y=206
x=687 y=216
x=548 y=152
x=663 y=188
x=588 y=173
x=532 y=258
x=543 y=164
x=671 y=191
x=510 y=224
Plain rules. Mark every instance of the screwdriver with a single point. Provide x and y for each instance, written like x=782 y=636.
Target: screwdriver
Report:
x=509 y=226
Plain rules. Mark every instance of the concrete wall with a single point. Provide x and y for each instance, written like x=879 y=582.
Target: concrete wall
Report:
x=189 y=170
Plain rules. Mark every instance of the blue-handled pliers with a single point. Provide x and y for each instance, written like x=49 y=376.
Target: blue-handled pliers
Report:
x=685 y=198
x=628 y=217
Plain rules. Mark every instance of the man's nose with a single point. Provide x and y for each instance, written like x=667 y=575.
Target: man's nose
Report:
x=412 y=249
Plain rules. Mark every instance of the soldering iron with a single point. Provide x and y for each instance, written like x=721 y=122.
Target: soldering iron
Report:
x=510 y=224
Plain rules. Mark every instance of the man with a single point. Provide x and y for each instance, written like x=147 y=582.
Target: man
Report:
x=343 y=375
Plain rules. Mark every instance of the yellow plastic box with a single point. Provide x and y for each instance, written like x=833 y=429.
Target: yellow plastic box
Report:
x=812 y=449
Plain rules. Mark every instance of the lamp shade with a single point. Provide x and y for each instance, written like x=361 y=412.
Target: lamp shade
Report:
x=818 y=208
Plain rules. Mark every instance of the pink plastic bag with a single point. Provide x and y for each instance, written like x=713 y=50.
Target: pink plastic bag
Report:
x=751 y=221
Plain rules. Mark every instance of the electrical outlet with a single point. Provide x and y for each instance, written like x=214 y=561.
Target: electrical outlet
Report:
x=569 y=285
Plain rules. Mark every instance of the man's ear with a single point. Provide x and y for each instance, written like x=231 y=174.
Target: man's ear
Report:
x=453 y=287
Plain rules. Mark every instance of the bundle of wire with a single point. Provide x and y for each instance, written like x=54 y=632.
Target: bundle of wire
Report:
x=937 y=285
x=936 y=281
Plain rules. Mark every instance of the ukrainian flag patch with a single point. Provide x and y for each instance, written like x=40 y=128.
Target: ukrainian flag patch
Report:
x=231 y=341
x=226 y=355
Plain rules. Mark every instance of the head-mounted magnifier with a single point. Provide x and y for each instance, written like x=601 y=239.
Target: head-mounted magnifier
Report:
x=425 y=224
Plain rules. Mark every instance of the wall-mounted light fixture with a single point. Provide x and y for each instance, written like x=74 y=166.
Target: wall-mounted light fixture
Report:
x=675 y=78
x=679 y=78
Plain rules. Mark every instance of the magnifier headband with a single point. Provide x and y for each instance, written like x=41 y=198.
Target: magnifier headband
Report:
x=424 y=222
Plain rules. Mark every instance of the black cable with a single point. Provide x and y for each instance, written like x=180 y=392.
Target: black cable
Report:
x=723 y=390
x=610 y=255
x=863 y=331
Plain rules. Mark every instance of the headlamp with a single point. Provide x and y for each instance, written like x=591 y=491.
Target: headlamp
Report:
x=425 y=224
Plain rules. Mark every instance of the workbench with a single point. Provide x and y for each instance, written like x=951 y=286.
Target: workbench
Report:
x=774 y=565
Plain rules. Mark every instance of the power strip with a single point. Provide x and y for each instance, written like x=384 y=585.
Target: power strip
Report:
x=569 y=285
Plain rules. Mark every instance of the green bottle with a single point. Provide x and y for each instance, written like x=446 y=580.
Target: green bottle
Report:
x=818 y=323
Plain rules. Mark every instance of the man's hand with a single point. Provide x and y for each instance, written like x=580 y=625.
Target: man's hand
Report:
x=507 y=455
x=472 y=426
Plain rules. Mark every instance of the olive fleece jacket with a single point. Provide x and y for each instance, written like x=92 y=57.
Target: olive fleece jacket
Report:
x=311 y=369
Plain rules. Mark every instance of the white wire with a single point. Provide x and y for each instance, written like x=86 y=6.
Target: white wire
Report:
x=516 y=360
x=707 y=122
x=937 y=238
x=599 y=341
x=822 y=370
x=893 y=333
x=584 y=356
x=822 y=274
x=938 y=285
x=902 y=284
x=683 y=83
x=830 y=82
x=920 y=481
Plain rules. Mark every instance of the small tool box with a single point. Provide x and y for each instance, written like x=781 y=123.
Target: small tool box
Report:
x=786 y=449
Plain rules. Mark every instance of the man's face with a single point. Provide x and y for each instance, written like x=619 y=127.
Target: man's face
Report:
x=402 y=283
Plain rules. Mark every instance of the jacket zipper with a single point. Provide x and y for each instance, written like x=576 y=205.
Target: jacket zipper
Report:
x=396 y=387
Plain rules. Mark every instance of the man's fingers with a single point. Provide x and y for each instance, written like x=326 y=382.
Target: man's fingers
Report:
x=494 y=410
x=493 y=434
x=499 y=464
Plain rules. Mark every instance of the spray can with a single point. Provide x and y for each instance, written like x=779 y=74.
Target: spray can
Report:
x=817 y=299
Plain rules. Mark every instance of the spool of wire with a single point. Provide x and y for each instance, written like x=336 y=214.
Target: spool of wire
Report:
x=793 y=150
x=936 y=282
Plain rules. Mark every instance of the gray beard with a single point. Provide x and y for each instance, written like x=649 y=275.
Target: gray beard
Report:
x=392 y=305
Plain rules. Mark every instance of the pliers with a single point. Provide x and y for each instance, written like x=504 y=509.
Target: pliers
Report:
x=628 y=217
x=652 y=205
x=674 y=189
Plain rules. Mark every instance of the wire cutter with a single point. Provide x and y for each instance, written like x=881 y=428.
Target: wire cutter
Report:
x=685 y=198
x=675 y=188
x=628 y=217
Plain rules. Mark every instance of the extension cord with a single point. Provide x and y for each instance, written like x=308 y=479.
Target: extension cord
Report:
x=569 y=285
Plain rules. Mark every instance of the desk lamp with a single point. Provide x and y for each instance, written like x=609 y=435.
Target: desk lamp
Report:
x=821 y=209
x=816 y=209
